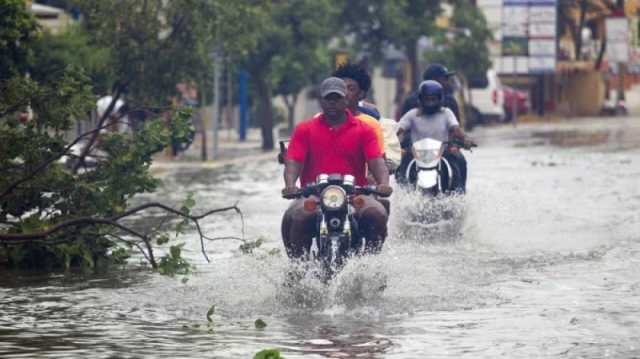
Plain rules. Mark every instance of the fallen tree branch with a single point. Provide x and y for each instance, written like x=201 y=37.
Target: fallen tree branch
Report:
x=42 y=236
x=193 y=218
x=146 y=256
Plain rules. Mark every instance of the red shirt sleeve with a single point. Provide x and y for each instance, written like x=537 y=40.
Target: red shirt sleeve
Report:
x=298 y=145
x=370 y=143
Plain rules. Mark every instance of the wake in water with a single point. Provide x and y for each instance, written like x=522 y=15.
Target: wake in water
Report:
x=417 y=217
x=358 y=284
x=407 y=277
x=418 y=269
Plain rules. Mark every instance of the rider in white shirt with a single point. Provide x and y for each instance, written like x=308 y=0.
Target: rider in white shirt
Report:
x=433 y=120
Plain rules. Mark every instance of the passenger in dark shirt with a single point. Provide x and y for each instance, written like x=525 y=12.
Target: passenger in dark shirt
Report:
x=436 y=72
x=441 y=74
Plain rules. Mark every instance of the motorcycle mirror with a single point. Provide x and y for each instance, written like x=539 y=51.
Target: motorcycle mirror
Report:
x=283 y=152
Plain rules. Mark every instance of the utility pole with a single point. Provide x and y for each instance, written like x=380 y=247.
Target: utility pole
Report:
x=622 y=67
x=203 y=127
x=243 y=79
x=216 y=102
x=514 y=95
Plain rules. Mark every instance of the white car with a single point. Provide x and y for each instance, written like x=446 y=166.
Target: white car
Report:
x=485 y=99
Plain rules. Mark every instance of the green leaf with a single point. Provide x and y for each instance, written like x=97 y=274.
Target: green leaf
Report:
x=176 y=250
x=173 y=263
x=260 y=324
x=210 y=313
x=32 y=223
x=274 y=252
x=189 y=202
x=268 y=354
x=162 y=239
x=248 y=246
x=87 y=256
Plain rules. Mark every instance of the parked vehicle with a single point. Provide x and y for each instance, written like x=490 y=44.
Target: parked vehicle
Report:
x=485 y=100
x=514 y=97
x=91 y=160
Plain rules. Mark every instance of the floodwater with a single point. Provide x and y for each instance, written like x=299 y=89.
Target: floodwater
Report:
x=543 y=260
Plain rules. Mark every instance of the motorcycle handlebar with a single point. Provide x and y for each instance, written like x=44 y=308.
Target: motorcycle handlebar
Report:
x=370 y=190
x=462 y=144
x=308 y=191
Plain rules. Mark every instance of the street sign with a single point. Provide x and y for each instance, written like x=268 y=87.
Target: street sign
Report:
x=542 y=12
x=542 y=30
x=529 y=34
x=542 y=48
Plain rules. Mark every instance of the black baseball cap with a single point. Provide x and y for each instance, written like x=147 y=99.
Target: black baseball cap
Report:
x=333 y=85
x=434 y=71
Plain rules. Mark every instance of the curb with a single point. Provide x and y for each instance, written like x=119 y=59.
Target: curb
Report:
x=211 y=164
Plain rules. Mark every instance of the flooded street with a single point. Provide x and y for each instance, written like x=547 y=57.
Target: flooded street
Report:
x=543 y=261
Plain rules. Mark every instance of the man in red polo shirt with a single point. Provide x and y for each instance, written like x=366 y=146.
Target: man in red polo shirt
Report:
x=333 y=142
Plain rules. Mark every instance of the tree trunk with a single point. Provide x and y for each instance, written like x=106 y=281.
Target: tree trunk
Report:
x=291 y=110
x=265 y=112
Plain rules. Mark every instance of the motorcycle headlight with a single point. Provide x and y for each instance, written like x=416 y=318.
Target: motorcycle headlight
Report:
x=426 y=156
x=334 y=197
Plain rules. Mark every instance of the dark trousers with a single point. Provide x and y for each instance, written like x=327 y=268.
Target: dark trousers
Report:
x=457 y=158
x=299 y=225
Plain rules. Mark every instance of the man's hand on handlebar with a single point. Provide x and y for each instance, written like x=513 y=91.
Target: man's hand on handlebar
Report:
x=469 y=143
x=384 y=190
x=465 y=143
x=291 y=192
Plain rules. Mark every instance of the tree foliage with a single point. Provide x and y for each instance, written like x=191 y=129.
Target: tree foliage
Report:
x=153 y=44
x=401 y=23
x=295 y=70
x=17 y=30
x=73 y=47
x=288 y=54
x=37 y=191
x=465 y=49
x=156 y=44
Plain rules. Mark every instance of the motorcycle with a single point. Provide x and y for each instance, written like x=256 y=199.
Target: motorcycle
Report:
x=430 y=175
x=429 y=172
x=336 y=234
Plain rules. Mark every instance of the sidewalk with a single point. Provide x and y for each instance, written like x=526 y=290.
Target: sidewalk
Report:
x=632 y=102
x=230 y=151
